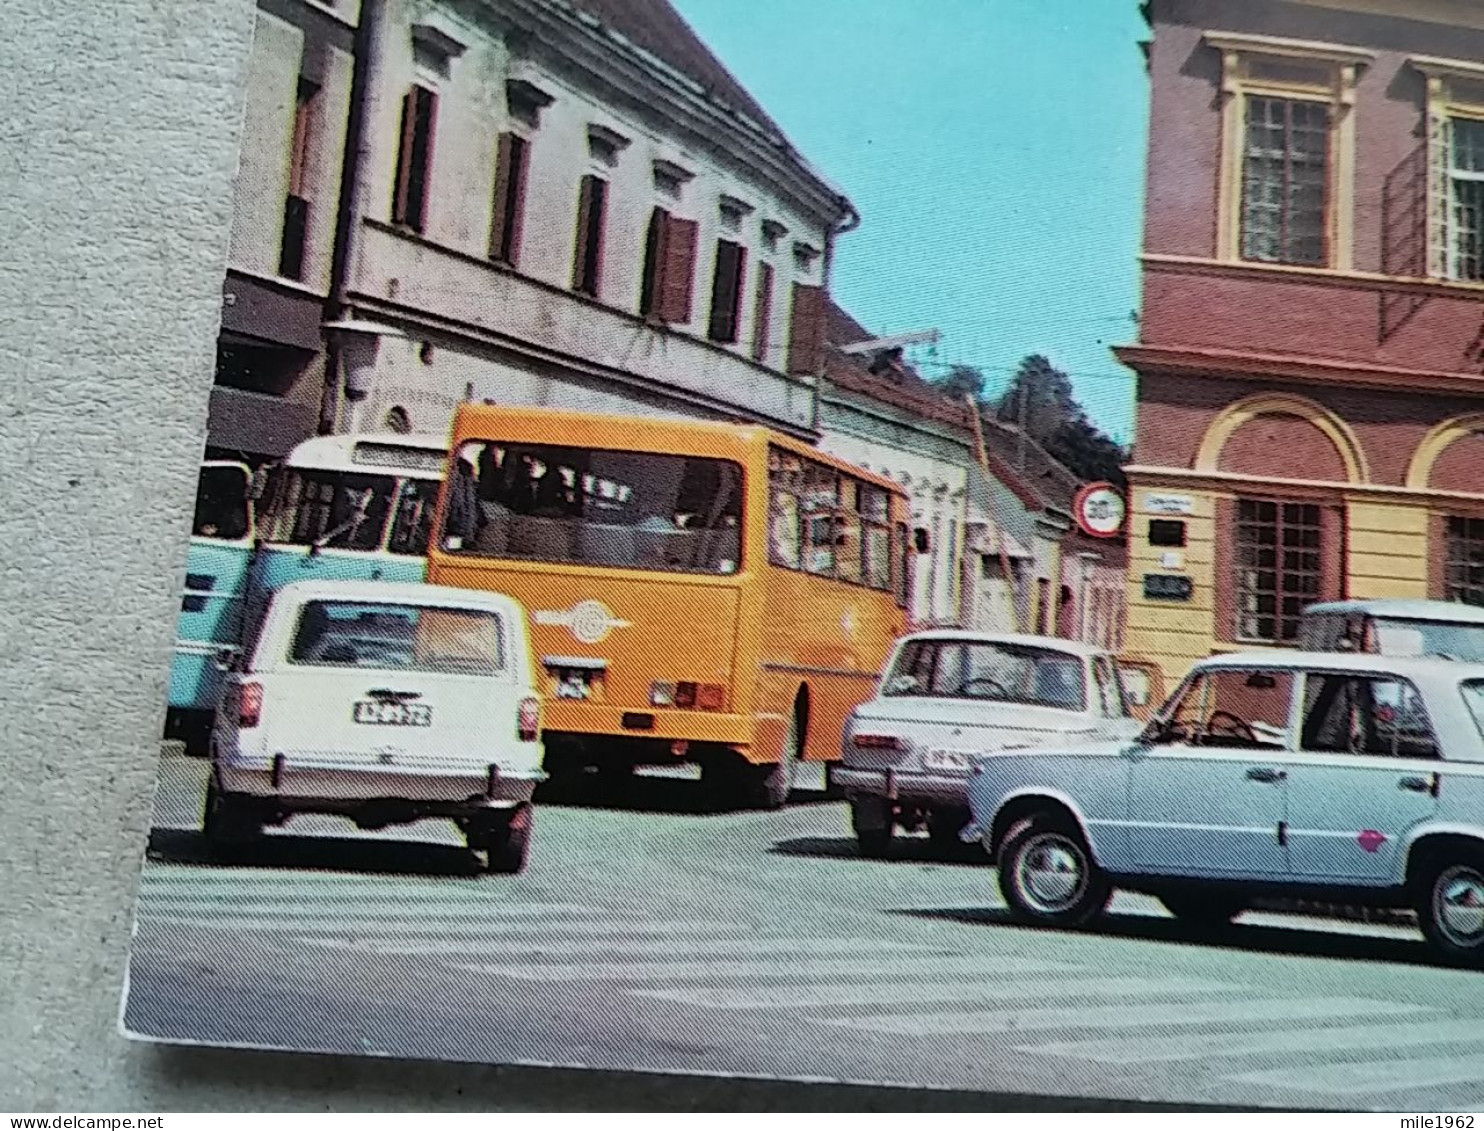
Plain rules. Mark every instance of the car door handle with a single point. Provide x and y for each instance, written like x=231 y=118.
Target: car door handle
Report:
x=1416 y=785
x=1266 y=774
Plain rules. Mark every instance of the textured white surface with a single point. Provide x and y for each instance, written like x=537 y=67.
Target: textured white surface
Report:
x=117 y=151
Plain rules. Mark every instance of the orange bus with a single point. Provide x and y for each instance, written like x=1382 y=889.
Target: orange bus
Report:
x=699 y=593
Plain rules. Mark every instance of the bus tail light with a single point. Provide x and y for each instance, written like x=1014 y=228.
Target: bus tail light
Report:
x=875 y=742
x=250 y=705
x=530 y=720
x=687 y=695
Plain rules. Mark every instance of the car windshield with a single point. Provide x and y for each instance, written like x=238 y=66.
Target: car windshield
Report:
x=992 y=671
x=398 y=637
x=330 y=509
x=590 y=506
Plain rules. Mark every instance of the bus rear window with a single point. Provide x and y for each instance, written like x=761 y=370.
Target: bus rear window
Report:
x=595 y=506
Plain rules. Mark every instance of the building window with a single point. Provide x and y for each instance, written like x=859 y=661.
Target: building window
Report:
x=1284 y=181
x=415 y=158
x=762 y=318
x=296 y=204
x=587 y=263
x=1464 y=563
x=1286 y=188
x=1465 y=146
x=512 y=156
x=1279 y=565
x=668 y=272
x=726 y=291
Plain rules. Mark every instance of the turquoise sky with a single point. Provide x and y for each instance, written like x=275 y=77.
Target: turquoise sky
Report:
x=995 y=149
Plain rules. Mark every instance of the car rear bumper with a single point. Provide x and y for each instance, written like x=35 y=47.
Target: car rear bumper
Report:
x=904 y=785
x=286 y=778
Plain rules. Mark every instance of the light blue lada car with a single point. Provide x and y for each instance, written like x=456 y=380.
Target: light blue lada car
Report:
x=1351 y=778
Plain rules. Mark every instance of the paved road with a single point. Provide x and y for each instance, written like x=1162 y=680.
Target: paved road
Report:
x=664 y=939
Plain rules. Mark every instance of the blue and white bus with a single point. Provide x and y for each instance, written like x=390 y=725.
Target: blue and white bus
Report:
x=353 y=507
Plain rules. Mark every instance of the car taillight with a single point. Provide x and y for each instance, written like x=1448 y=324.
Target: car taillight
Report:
x=250 y=705
x=875 y=742
x=530 y=720
x=711 y=697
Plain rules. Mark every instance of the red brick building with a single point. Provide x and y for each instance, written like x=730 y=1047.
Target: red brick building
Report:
x=1311 y=353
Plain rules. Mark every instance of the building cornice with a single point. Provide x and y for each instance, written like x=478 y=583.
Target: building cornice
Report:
x=1454 y=13
x=1244 y=365
x=1225 y=41
x=1315 y=276
x=566 y=39
x=1149 y=475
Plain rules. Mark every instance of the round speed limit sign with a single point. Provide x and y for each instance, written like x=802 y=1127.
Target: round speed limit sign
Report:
x=1099 y=509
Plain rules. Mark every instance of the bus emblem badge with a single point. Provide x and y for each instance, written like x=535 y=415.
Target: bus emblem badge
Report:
x=589 y=622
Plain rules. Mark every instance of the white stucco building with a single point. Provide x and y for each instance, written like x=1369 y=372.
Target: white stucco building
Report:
x=573 y=205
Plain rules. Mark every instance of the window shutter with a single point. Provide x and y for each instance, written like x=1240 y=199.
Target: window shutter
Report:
x=584 y=218
x=806 y=332
x=424 y=116
x=1224 y=599
x=404 y=160
x=510 y=193
x=677 y=273
x=1334 y=584
x=1437 y=557
x=763 y=317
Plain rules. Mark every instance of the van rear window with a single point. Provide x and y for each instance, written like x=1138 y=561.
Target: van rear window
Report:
x=398 y=637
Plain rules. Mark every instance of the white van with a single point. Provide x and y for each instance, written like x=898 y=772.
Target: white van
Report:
x=387 y=704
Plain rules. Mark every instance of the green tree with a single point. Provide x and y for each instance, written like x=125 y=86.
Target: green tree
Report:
x=1041 y=400
x=961 y=381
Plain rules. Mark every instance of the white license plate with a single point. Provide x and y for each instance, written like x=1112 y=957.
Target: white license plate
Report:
x=374 y=712
x=946 y=760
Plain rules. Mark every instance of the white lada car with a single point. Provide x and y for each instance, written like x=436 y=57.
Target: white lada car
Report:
x=385 y=703
x=949 y=695
x=1347 y=778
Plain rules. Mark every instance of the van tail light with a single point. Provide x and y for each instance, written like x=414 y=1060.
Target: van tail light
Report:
x=875 y=742
x=250 y=705
x=711 y=696
x=530 y=720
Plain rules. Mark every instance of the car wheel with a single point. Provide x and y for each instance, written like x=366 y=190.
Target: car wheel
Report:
x=229 y=822
x=871 y=820
x=1450 y=909
x=1201 y=909
x=1048 y=876
x=504 y=838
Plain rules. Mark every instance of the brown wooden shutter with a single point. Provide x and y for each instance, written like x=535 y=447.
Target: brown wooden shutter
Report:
x=1437 y=557
x=404 y=160
x=1224 y=599
x=806 y=331
x=584 y=218
x=510 y=192
x=1334 y=581
x=677 y=271
x=763 y=315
